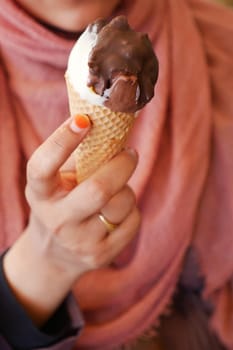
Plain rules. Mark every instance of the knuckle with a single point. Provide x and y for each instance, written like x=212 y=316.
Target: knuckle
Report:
x=29 y=194
x=37 y=168
x=99 y=192
x=137 y=217
x=131 y=162
x=99 y=261
x=131 y=198
x=93 y=261
x=132 y=223
x=56 y=141
x=31 y=169
x=136 y=213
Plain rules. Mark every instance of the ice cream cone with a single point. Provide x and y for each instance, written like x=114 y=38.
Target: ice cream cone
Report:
x=106 y=138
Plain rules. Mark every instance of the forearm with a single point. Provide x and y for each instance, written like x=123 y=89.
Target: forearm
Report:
x=37 y=284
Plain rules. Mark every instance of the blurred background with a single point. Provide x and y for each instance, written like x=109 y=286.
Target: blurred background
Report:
x=227 y=2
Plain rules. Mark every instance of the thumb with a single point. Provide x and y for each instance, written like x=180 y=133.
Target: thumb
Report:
x=46 y=161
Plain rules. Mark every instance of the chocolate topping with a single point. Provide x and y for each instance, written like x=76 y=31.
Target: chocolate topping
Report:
x=122 y=65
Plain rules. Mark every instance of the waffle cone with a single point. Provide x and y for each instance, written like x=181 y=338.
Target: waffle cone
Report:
x=106 y=138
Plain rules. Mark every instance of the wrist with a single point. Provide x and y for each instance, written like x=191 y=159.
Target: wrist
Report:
x=37 y=283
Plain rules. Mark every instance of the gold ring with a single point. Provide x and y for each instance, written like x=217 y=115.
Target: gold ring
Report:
x=109 y=225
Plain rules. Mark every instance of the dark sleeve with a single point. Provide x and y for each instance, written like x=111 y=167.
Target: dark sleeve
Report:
x=18 y=330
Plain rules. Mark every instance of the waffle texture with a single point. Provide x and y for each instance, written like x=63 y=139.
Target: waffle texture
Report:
x=106 y=138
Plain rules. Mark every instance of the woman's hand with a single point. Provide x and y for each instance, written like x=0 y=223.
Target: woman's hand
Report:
x=65 y=236
x=66 y=224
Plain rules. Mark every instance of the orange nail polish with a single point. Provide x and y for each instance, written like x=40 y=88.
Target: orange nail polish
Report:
x=82 y=121
x=79 y=123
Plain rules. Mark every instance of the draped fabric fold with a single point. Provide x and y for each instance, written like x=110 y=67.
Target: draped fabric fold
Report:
x=184 y=178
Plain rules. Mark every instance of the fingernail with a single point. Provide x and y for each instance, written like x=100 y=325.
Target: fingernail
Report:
x=80 y=122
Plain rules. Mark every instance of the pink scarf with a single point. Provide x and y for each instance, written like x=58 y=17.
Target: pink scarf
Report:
x=184 y=181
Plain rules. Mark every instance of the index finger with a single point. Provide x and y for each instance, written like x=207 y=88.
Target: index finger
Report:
x=43 y=166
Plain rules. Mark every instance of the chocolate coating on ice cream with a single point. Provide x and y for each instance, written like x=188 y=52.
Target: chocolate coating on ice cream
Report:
x=122 y=65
